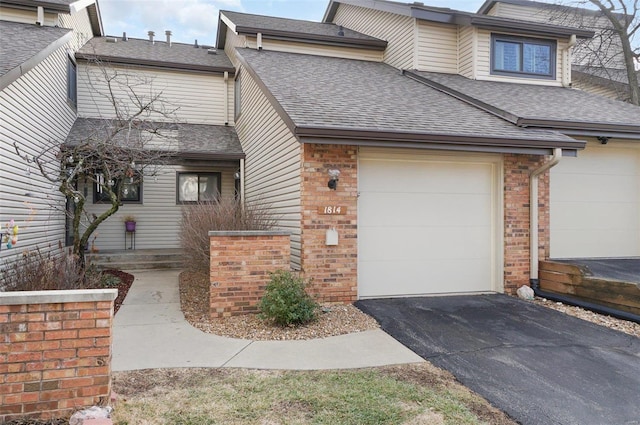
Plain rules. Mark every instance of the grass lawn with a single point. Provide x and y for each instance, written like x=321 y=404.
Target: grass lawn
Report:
x=407 y=394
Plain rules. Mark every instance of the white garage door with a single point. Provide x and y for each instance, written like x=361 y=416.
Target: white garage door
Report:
x=427 y=223
x=595 y=203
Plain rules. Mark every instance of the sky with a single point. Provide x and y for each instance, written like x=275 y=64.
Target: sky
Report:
x=191 y=20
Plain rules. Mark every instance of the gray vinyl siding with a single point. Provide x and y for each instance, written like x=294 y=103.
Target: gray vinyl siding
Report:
x=437 y=47
x=81 y=25
x=467 y=51
x=232 y=41
x=26 y=16
x=272 y=167
x=158 y=216
x=190 y=97
x=34 y=114
x=397 y=30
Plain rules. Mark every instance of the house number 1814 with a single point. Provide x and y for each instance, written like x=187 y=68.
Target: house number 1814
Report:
x=332 y=210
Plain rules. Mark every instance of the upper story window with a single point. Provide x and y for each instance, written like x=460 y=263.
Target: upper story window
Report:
x=237 y=101
x=72 y=81
x=523 y=57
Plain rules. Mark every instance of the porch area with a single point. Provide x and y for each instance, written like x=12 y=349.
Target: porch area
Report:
x=137 y=259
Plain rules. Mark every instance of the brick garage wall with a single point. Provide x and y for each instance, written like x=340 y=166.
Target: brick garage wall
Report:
x=517 y=169
x=240 y=266
x=332 y=268
x=55 y=351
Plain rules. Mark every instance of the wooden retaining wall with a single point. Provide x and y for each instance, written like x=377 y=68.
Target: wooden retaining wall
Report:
x=575 y=281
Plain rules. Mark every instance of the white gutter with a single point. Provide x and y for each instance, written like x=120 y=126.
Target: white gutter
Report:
x=226 y=98
x=242 y=181
x=566 y=62
x=533 y=212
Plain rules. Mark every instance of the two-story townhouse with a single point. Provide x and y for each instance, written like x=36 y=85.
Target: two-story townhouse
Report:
x=437 y=138
x=196 y=84
x=37 y=108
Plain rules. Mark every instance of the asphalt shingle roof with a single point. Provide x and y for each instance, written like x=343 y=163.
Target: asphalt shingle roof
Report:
x=21 y=42
x=139 y=51
x=322 y=92
x=535 y=102
x=193 y=140
x=248 y=22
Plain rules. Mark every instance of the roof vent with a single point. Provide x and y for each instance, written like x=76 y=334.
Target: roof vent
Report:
x=151 y=34
x=111 y=40
x=212 y=51
x=341 y=31
x=168 y=34
x=418 y=3
x=124 y=36
x=196 y=44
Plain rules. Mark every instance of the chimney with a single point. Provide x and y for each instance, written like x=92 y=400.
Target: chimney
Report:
x=168 y=34
x=124 y=36
x=151 y=34
x=196 y=45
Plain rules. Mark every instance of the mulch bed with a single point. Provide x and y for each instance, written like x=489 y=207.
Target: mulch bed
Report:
x=126 y=280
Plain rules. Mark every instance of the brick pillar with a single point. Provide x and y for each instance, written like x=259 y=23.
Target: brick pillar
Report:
x=55 y=351
x=240 y=266
x=517 y=169
x=332 y=268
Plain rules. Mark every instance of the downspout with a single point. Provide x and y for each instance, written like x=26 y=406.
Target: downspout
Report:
x=226 y=98
x=566 y=62
x=242 y=181
x=533 y=215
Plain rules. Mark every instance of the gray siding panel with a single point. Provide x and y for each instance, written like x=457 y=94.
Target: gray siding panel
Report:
x=34 y=115
x=397 y=30
x=272 y=168
x=158 y=216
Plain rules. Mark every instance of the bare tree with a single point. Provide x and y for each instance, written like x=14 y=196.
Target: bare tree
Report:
x=131 y=141
x=613 y=54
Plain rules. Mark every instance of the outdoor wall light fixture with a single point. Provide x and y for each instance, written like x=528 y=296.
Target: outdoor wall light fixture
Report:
x=333 y=179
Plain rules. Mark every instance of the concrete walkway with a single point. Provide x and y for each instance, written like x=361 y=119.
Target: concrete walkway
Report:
x=150 y=332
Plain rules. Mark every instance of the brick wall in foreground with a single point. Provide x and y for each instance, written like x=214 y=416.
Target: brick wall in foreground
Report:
x=55 y=351
x=240 y=266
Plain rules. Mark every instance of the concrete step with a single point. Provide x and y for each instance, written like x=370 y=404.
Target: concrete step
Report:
x=138 y=259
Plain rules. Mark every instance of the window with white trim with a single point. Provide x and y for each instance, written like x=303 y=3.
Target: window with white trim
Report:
x=523 y=57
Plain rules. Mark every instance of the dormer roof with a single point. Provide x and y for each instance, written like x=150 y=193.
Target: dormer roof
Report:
x=294 y=30
x=456 y=17
x=143 y=52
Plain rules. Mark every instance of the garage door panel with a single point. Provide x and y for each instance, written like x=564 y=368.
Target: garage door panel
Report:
x=415 y=243
x=401 y=176
x=420 y=208
x=439 y=277
x=426 y=224
x=595 y=203
x=582 y=244
x=596 y=188
x=599 y=216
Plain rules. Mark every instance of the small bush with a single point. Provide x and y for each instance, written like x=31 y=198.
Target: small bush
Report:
x=41 y=271
x=285 y=301
x=224 y=214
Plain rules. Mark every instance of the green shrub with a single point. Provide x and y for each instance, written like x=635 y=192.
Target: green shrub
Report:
x=285 y=301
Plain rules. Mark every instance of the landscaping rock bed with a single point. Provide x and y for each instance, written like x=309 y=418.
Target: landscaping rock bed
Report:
x=334 y=320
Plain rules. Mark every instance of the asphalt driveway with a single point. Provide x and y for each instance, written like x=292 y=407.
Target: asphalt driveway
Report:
x=538 y=365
